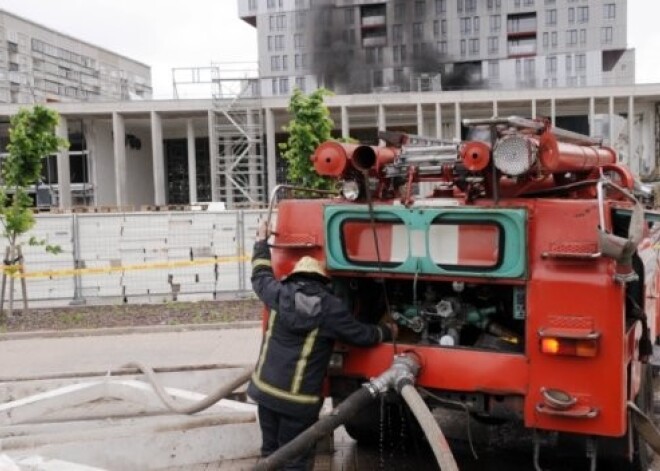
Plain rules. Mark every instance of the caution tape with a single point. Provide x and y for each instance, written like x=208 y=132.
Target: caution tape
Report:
x=14 y=271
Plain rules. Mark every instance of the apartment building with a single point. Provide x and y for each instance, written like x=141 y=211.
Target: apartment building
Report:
x=364 y=46
x=38 y=64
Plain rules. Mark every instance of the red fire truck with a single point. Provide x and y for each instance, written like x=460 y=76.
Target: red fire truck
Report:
x=520 y=266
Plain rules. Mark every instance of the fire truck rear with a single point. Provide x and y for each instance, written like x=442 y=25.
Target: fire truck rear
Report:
x=521 y=268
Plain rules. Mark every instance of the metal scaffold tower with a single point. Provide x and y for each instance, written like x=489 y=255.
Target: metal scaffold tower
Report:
x=240 y=168
x=238 y=173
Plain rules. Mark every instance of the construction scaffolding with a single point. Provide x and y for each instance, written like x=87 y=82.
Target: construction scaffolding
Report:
x=238 y=173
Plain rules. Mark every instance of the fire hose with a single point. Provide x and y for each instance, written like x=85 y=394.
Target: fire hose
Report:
x=400 y=377
x=205 y=403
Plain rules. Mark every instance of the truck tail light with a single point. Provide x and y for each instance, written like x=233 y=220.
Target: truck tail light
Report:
x=570 y=347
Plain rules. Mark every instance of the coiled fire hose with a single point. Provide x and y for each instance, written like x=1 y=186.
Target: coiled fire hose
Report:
x=400 y=377
x=224 y=390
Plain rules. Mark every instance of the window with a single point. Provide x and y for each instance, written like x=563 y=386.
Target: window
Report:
x=546 y=40
x=495 y=23
x=300 y=19
x=440 y=7
x=609 y=11
x=418 y=31
x=528 y=3
x=271 y=43
x=474 y=47
x=275 y=63
x=571 y=15
x=271 y=22
x=397 y=34
x=583 y=14
x=569 y=64
x=463 y=47
x=553 y=39
x=470 y=6
x=252 y=5
x=465 y=26
x=571 y=37
x=493 y=70
x=606 y=35
x=459 y=6
x=297 y=61
x=550 y=17
x=580 y=62
x=551 y=65
x=270 y=3
x=475 y=24
x=349 y=15
x=274 y=86
x=420 y=8
x=518 y=68
x=443 y=27
x=300 y=83
x=298 y=41
x=377 y=78
x=442 y=47
x=436 y=29
x=284 y=86
x=285 y=62
x=493 y=45
x=374 y=55
x=530 y=68
x=400 y=11
x=494 y=4
x=583 y=37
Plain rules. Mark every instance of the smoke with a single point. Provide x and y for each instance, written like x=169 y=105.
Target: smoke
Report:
x=341 y=64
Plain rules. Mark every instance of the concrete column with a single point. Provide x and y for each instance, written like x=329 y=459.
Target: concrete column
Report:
x=438 y=120
x=382 y=122
x=63 y=167
x=271 y=150
x=533 y=108
x=213 y=156
x=457 y=121
x=592 y=115
x=495 y=110
x=632 y=158
x=611 y=120
x=92 y=148
x=158 y=158
x=119 y=144
x=345 y=123
x=192 y=161
x=420 y=119
x=553 y=111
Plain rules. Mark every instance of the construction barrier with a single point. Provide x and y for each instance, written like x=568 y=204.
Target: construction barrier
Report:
x=138 y=256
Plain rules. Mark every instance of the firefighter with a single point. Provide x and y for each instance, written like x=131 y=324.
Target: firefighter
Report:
x=305 y=320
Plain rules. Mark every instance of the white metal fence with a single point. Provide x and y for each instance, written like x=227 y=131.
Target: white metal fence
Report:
x=140 y=257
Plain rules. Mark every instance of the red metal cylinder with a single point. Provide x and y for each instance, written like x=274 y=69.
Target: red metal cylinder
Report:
x=559 y=157
x=332 y=158
x=475 y=155
x=374 y=158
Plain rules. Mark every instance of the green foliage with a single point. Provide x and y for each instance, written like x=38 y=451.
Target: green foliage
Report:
x=310 y=126
x=31 y=138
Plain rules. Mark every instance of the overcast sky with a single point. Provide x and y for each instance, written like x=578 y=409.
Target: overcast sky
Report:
x=174 y=33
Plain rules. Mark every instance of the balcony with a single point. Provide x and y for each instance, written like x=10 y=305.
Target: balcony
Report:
x=374 y=41
x=374 y=21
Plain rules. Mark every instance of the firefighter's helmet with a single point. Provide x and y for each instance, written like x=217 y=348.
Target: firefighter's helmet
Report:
x=309 y=264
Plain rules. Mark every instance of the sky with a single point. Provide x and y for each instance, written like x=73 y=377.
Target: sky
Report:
x=167 y=34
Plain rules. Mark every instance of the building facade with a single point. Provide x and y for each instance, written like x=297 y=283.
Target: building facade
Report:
x=362 y=46
x=38 y=65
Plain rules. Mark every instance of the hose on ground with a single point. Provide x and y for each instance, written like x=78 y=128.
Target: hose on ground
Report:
x=299 y=445
x=430 y=427
x=208 y=401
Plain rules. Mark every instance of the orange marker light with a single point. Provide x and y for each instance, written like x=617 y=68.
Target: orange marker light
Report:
x=570 y=347
x=550 y=345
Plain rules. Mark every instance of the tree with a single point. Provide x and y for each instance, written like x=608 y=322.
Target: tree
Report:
x=310 y=126
x=31 y=138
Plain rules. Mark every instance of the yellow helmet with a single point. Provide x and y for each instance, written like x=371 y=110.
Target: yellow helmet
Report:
x=309 y=264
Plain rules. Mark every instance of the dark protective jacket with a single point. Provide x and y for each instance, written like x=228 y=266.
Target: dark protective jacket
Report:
x=305 y=319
